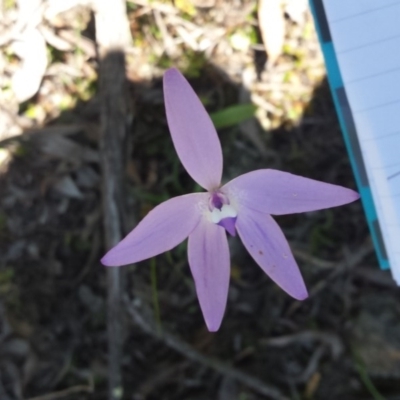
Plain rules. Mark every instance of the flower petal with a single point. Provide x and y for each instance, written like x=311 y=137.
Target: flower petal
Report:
x=163 y=228
x=209 y=262
x=266 y=243
x=194 y=136
x=276 y=192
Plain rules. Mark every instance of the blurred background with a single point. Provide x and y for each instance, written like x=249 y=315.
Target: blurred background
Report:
x=259 y=71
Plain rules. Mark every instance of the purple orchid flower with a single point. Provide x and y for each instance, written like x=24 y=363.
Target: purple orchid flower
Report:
x=244 y=204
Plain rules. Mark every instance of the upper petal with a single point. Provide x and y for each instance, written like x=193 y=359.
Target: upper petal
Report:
x=268 y=246
x=209 y=262
x=194 y=136
x=163 y=228
x=276 y=192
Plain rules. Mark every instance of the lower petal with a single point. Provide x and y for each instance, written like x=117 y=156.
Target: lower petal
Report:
x=209 y=262
x=266 y=243
x=163 y=228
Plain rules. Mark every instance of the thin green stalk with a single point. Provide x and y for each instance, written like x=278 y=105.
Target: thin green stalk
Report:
x=365 y=379
x=156 y=304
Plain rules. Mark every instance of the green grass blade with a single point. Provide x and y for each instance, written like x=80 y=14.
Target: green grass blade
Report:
x=233 y=115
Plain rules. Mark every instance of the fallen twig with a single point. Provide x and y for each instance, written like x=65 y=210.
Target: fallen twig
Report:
x=65 y=392
x=349 y=262
x=330 y=339
x=189 y=352
x=112 y=36
x=112 y=80
x=308 y=258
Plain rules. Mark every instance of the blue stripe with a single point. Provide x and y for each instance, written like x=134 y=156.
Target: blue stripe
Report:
x=336 y=82
x=335 y=78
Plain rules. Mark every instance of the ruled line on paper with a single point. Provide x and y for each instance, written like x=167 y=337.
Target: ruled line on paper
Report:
x=370 y=44
x=386 y=135
x=374 y=93
x=381 y=168
x=343 y=8
x=365 y=12
x=378 y=74
x=397 y=195
x=388 y=166
x=394 y=175
x=382 y=121
x=388 y=60
x=363 y=29
x=389 y=103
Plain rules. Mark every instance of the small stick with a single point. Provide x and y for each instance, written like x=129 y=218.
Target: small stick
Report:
x=112 y=37
x=112 y=76
x=65 y=392
x=192 y=354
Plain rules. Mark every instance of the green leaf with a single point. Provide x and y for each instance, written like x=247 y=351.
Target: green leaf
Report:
x=233 y=115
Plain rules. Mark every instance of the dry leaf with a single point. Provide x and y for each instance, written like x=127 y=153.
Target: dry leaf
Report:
x=66 y=149
x=54 y=40
x=67 y=187
x=296 y=10
x=185 y=6
x=55 y=7
x=249 y=128
x=87 y=177
x=31 y=49
x=272 y=27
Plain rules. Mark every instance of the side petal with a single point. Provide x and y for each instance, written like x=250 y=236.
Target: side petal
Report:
x=276 y=192
x=163 y=228
x=208 y=254
x=194 y=136
x=266 y=243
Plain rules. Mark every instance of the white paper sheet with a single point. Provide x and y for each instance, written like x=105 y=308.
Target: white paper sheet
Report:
x=366 y=38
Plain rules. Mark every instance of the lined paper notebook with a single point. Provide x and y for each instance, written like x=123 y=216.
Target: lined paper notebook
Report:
x=360 y=40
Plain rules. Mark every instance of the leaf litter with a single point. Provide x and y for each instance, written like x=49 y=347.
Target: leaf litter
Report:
x=52 y=337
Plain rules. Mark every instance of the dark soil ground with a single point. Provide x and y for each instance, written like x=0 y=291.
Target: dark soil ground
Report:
x=341 y=343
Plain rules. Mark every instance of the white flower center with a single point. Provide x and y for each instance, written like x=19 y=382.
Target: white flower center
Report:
x=226 y=211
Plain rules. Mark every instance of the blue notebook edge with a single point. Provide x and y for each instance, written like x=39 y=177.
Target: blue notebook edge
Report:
x=348 y=129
